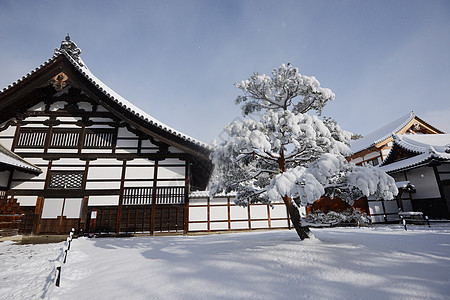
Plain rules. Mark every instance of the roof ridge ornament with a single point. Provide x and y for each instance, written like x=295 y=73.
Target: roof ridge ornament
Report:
x=70 y=48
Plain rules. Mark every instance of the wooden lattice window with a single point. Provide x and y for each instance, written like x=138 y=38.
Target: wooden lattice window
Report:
x=66 y=180
x=170 y=195
x=137 y=196
x=143 y=195
x=65 y=138
x=32 y=138
x=98 y=138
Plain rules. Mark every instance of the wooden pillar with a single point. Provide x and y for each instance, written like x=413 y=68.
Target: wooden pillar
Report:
x=119 y=207
x=84 y=213
x=155 y=186
x=186 y=197
x=37 y=215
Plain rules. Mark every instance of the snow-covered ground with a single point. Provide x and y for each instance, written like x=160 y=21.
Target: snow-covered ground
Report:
x=381 y=262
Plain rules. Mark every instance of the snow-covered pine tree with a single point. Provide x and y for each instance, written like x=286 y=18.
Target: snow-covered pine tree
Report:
x=282 y=153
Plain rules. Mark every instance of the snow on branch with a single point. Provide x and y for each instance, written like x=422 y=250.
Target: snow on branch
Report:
x=279 y=90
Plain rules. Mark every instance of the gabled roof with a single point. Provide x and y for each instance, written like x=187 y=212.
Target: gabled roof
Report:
x=13 y=161
x=38 y=86
x=384 y=133
x=423 y=148
x=72 y=56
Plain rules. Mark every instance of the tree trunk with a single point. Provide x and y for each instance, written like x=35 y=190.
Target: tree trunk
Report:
x=294 y=214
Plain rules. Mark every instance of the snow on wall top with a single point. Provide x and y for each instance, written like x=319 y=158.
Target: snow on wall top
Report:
x=72 y=52
x=427 y=146
x=381 y=134
x=11 y=159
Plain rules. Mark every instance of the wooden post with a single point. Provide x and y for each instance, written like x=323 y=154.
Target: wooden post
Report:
x=119 y=208
x=155 y=186
x=187 y=173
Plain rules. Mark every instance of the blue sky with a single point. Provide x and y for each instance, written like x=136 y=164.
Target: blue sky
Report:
x=178 y=60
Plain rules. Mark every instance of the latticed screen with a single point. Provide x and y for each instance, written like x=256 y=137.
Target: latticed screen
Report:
x=65 y=139
x=66 y=180
x=143 y=195
x=32 y=138
x=98 y=139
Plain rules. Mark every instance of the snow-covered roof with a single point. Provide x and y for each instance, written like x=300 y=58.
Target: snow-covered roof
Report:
x=381 y=134
x=207 y=194
x=11 y=159
x=427 y=147
x=79 y=64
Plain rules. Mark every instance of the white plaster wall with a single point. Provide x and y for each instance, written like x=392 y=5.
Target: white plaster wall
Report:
x=171 y=161
x=68 y=161
x=425 y=182
x=356 y=160
x=171 y=172
x=198 y=226
x=171 y=183
x=138 y=184
x=220 y=201
x=7 y=143
x=103 y=200
x=97 y=150
x=198 y=201
x=239 y=225
x=52 y=208
x=126 y=143
x=9 y=132
x=68 y=119
x=104 y=173
x=218 y=226
x=35 y=119
x=26 y=200
x=59 y=150
x=278 y=223
x=198 y=213
x=105 y=185
x=238 y=213
x=71 y=168
x=371 y=155
x=139 y=172
x=260 y=224
x=278 y=211
x=258 y=212
x=147 y=143
x=28 y=185
x=72 y=208
x=175 y=150
x=140 y=162
x=105 y=161
x=218 y=213
x=123 y=132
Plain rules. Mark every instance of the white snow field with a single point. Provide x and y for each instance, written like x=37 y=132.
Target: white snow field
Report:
x=380 y=262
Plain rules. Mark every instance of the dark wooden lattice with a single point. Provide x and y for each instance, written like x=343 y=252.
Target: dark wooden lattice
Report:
x=143 y=195
x=66 y=180
x=34 y=138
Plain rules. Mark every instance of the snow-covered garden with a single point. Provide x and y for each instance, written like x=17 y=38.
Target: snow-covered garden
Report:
x=379 y=262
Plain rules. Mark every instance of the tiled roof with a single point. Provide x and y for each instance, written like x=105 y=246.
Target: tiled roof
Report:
x=427 y=147
x=381 y=134
x=83 y=69
x=11 y=159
